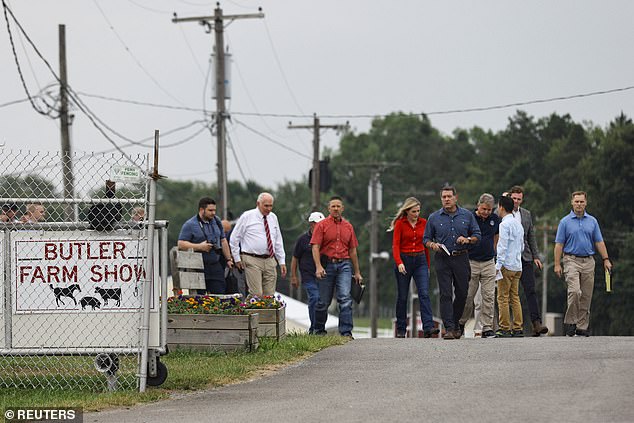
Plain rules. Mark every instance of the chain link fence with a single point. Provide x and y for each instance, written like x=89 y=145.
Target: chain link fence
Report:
x=73 y=246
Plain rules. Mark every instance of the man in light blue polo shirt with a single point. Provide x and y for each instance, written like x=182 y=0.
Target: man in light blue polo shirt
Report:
x=578 y=238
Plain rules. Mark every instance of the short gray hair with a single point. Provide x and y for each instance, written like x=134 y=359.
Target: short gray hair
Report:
x=487 y=198
x=264 y=194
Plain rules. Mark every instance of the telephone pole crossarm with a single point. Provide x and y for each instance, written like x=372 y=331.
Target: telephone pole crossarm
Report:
x=176 y=19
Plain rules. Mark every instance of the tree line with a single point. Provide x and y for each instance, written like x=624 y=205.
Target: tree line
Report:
x=550 y=157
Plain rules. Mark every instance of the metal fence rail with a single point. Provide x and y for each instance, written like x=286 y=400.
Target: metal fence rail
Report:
x=74 y=253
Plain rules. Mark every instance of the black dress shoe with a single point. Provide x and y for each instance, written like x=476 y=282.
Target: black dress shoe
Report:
x=582 y=332
x=400 y=334
x=571 y=330
x=429 y=333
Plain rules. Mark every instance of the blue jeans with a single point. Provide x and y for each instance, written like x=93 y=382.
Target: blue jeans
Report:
x=312 y=290
x=338 y=278
x=416 y=267
x=453 y=274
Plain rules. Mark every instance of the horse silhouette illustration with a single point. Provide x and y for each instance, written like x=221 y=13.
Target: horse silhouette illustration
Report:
x=90 y=301
x=109 y=294
x=65 y=292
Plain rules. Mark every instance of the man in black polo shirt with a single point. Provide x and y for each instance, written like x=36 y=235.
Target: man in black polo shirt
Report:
x=481 y=260
x=302 y=255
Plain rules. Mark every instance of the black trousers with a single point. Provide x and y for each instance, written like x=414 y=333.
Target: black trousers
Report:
x=214 y=279
x=453 y=274
x=528 y=285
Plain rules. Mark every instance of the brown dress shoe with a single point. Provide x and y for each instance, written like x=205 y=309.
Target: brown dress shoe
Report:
x=449 y=335
x=538 y=328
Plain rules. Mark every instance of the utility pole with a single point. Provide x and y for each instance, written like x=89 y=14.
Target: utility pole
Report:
x=316 y=126
x=67 y=163
x=220 y=116
x=545 y=274
x=374 y=243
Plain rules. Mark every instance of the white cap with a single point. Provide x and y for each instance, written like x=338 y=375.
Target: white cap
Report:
x=316 y=217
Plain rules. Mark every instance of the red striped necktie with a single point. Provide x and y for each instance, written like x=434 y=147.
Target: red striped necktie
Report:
x=269 y=244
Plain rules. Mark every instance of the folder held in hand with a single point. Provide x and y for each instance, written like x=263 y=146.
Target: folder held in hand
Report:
x=357 y=290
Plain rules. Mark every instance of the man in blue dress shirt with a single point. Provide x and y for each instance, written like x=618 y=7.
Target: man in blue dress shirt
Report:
x=578 y=238
x=449 y=232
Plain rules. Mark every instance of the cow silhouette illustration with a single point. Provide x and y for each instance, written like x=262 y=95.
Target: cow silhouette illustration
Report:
x=90 y=301
x=109 y=294
x=66 y=291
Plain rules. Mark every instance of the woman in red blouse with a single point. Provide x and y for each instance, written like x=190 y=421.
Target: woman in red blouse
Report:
x=411 y=261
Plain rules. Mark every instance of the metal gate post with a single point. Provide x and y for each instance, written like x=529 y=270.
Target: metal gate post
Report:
x=147 y=288
x=6 y=286
x=163 y=305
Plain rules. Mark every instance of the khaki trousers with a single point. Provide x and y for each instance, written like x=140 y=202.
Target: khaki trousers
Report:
x=508 y=288
x=482 y=280
x=579 y=275
x=261 y=274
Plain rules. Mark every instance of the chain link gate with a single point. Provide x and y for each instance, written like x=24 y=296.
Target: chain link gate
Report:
x=73 y=246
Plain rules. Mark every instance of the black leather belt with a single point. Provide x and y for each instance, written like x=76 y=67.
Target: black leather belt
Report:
x=262 y=256
x=334 y=259
x=574 y=255
x=459 y=252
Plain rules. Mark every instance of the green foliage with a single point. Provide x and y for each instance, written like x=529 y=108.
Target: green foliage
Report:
x=550 y=157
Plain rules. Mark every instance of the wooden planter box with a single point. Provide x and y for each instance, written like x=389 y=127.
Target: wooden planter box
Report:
x=214 y=332
x=272 y=322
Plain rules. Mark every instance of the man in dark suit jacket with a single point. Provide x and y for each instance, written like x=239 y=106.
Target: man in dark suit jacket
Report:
x=530 y=256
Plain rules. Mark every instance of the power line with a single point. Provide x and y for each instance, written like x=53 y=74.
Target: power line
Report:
x=250 y=98
x=377 y=115
x=143 y=103
x=233 y=150
x=266 y=137
x=15 y=57
x=236 y=146
x=139 y=64
x=11 y=103
x=163 y=136
x=279 y=65
x=191 y=51
x=525 y=103
x=72 y=95
x=149 y=9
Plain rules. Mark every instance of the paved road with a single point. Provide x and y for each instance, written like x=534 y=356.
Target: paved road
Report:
x=547 y=379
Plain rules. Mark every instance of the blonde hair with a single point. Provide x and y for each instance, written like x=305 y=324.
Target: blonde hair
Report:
x=402 y=211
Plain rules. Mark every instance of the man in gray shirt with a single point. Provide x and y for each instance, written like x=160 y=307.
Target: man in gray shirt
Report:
x=530 y=256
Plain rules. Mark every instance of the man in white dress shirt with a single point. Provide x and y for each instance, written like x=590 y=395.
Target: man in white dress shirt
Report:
x=257 y=247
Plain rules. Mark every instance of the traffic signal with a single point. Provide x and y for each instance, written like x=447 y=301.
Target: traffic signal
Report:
x=325 y=179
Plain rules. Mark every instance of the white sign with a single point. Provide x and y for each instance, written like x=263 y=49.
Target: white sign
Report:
x=125 y=174
x=56 y=272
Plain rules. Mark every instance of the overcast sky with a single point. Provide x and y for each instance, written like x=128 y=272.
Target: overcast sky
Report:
x=330 y=57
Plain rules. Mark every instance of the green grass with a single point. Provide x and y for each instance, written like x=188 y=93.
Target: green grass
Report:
x=188 y=370
x=382 y=322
